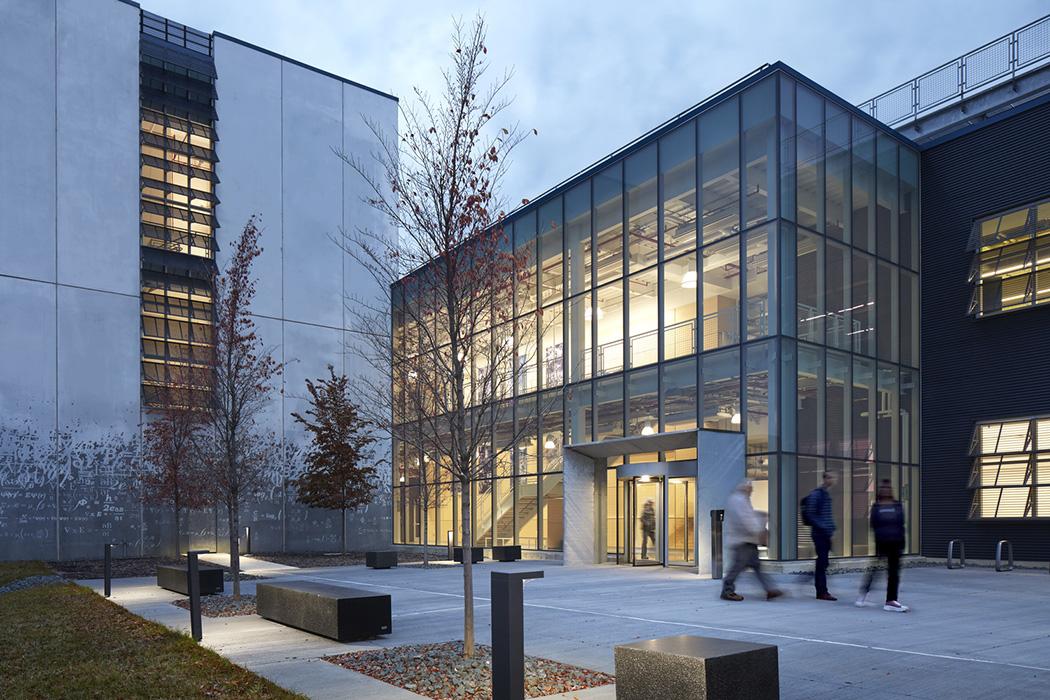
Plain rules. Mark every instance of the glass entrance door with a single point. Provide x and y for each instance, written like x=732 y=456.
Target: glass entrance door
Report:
x=681 y=521
x=653 y=520
x=643 y=520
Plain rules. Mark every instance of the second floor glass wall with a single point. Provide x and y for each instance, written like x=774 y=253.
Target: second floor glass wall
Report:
x=754 y=270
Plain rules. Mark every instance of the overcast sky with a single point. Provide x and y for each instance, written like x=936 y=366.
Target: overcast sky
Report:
x=591 y=76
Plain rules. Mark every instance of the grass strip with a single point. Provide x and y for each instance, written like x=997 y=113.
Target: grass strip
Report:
x=65 y=641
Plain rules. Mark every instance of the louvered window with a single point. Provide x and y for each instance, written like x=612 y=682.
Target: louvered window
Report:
x=1011 y=260
x=1010 y=474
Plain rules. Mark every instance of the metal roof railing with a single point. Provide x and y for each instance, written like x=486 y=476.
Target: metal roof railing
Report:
x=175 y=33
x=997 y=61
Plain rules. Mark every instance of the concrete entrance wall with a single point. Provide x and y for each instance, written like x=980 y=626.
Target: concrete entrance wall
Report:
x=720 y=467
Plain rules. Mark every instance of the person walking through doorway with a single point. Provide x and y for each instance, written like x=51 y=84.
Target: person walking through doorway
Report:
x=744 y=530
x=887 y=521
x=648 y=521
x=818 y=514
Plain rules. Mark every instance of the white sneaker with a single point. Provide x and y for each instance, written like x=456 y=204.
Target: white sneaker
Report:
x=894 y=606
x=862 y=601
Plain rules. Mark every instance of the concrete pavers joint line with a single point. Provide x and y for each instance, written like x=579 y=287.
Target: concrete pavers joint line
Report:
x=692 y=625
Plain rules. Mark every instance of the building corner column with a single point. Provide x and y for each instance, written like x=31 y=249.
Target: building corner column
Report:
x=582 y=500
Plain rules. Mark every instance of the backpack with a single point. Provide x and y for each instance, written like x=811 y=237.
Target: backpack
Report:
x=806 y=510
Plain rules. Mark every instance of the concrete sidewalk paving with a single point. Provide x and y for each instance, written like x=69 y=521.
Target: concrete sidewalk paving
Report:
x=248 y=564
x=972 y=633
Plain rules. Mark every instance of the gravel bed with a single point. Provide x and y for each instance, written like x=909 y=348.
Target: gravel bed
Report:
x=313 y=560
x=131 y=567
x=440 y=671
x=30 y=582
x=228 y=577
x=221 y=605
x=122 y=567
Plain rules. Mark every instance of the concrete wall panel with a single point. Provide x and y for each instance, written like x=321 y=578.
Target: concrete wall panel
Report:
x=98 y=145
x=27 y=419
x=27 y=140
x=313 y=206
x=249 y=151
x=721 y=467
x=98 y=416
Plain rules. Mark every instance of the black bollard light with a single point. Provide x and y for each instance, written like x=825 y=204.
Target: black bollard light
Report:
x=717 y=562
x=508 y=634
x=107 y=568
x=194 y=584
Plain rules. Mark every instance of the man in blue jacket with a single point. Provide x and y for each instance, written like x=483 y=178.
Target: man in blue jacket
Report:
x=820 y=517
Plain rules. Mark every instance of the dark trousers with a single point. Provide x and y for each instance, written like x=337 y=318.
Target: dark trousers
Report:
x=745 y=556
x=822 y=543
x=647 y=534
x=891 y=551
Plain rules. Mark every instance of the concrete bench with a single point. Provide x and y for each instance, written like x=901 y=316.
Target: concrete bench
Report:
x=510 y=552
x=381 y=560
x=687 y=666
x=176 y=577
x=337 y=612
x=477 y=555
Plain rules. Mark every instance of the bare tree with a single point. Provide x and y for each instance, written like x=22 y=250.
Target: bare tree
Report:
x=449 y=350
x=233 y=449
x=171 y=474
x=340 y=463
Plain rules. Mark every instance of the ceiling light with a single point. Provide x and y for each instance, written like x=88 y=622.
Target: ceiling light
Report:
x=735 y=420
x=689 y=279
x=648 y=430
x=588 y=314
x=402 y=479
x=549 y=444
x=644 y=478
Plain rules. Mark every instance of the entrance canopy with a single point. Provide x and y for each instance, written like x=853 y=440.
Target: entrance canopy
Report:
x=660 y=442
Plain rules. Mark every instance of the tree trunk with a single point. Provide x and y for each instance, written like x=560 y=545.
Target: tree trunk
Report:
x=235 y=547
x=178 y=534
x=342 y=530
x=423 y=537
x=468 y=573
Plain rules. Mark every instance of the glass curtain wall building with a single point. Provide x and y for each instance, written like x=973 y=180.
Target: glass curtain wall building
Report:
x=749 y=268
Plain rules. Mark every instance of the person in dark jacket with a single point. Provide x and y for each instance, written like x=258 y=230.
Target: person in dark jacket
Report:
x=820 y=516
x=887 y=521
x=648 y=522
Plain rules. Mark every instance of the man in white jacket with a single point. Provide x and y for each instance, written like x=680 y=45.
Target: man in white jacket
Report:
x=744 y=529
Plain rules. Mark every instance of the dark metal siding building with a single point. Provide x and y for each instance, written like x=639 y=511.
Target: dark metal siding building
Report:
x=977 y=369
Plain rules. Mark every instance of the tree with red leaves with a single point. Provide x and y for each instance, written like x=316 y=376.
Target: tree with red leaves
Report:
x=234 y=451
x=449 y=351
x=340 y=472
x=172 y=475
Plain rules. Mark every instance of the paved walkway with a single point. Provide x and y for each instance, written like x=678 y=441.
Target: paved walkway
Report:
x=972 y=633
x=248 y=564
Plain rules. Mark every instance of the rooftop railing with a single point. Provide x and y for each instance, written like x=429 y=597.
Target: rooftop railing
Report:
x=995 y=62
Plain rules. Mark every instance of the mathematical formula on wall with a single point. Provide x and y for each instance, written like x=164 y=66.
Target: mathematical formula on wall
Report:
x=65 y=493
